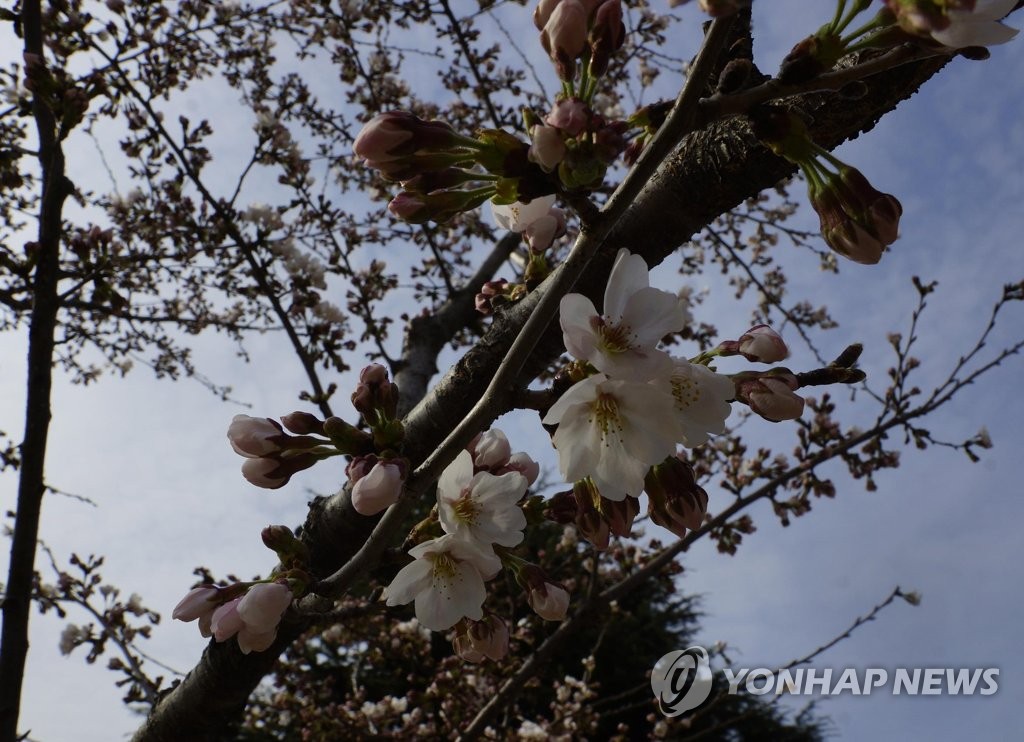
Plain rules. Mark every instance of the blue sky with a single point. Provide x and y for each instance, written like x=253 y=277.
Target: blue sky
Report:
x=154 y=458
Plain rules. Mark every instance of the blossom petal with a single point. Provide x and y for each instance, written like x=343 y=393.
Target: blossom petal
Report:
x=974 y=33
x=629 y=275
x=576 y=314
x=652 y=314
x=456 y=476
x=410 y=581
x=583 y=392
x=461 y=595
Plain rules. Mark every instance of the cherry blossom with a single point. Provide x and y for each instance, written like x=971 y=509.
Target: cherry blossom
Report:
x=516 y=217
x=199 y=603
x=481 y=506
x=446 y=580
x=606 y=431
x=972 y=24
x=254 y=617
x=621 y=342
x=978 y=27
x=702 y=400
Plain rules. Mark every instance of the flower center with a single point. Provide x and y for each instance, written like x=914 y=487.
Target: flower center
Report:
x=613 y=338
x=605 y=411
x=466 y=509
x=444 y=568
x=685 y=391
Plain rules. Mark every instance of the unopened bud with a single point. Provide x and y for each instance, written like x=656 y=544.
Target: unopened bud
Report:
x=347 y=438
x=290 y=551
x=303 y=423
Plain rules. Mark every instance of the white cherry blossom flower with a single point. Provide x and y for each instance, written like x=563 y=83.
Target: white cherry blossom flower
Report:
x=481 y=506
x=446 y=581
x=518 y=216
x=701 y=399
x=621 y=342
x=978 y=27
x=608 y=430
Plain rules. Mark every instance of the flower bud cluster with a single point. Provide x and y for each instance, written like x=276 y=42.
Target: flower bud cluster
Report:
x=857 y=220
x=596 y=517
x=251 y=612
x=440 y=169
x=271 y=455
x=580 y=36
x=575 y=142
x=674 y=501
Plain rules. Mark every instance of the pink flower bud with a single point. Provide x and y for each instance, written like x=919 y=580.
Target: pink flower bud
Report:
x=253 y=437
x=571 y=115
x=522 y=463
x=396 y=135
x=549 y=601
x=542 y=13
x=250 y=641
x=607 y=34
x=674 y=501
x=548 y=148
x=360 y=466
x=491 y=295
x=198 y=602
x=226 y=622
x=772 y=398
x=620 y=515
x=381 y=136
x=375 y=374
x=266 y=473
x=878 y=212
x=762 y=344
x=490 y=449
x=378 y=490
x=565 y=34
x=541 y=234
x=262 y=607
x=303 y=423
x=854 y=242
x=406 y=205
x=490 y=637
